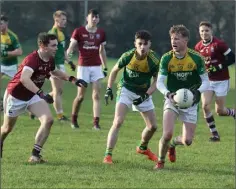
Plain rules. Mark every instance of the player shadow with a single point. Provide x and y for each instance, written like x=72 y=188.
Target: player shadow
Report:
x=119 y=164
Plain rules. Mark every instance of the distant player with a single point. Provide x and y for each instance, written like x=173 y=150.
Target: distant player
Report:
x=90 y=41
x=24 y=92
x=218 y=56
x=10 y=49
x=60 y=19
x=139 y=66
x=182 y=68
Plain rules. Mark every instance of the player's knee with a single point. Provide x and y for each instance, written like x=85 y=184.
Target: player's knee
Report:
x=206 y=107
x=165 y=139
x=48 y=120
x=6 y=129
x=96 y=96
x=153 y=128
x=187 y=142
x=167 y=136
x=80 y=98
x=118 y=122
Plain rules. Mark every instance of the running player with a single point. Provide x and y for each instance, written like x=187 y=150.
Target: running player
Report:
x=140 y=65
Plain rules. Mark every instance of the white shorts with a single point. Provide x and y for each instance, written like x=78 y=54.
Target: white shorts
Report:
x=220 y=88
x=189 y=115
x=126 y=97
x=9 y=70
x=60 y=67
x=13 y=107
x=90 y=73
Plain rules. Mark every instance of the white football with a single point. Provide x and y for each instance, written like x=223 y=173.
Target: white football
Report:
x=183 y=98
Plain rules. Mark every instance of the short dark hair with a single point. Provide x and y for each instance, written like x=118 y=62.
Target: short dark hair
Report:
x=58 y=13
x=93 y=11
x=143 y=34
x=180 y=29
x=205 y=23
x=4 y=18
x=44 y=38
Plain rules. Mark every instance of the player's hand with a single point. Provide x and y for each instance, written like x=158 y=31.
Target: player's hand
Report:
x=196 y=96
x=108 y=94
x=72 y=65
x=78 y=82
x=105 y=70
x=81 y=82
x=170 y=96
x=4 y=53
x=48 y=98
x=214 y=68
x=207 y=60
x=141 y=99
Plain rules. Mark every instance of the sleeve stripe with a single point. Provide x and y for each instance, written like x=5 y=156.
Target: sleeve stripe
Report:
x=154 y=59
x=227 y=52
x=104 y=43
x=73 y=39
x=28 y=68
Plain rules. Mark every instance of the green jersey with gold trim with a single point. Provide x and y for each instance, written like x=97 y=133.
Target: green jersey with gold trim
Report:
x=60 y=54
x=184 y=72
x=9 y=42
x=138 y=73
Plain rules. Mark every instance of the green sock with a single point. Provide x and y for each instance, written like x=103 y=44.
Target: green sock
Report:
x=172 y=143
x=108 y=151
x=161 y=158
x=142 y=146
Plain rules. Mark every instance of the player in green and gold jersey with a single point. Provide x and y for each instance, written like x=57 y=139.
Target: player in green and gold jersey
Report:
x=10 y=49
x=60 y=19
x=140 y=65
x=183 y=68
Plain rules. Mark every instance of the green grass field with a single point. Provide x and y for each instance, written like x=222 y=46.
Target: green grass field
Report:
x=75 y=156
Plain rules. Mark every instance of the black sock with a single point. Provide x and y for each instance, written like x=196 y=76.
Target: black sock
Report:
x=96 y=121
x=231 y=112
x=74 y=118
x=211 y=124
x=36 y=150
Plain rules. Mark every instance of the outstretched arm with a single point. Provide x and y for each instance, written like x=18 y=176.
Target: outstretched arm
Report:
x=63 y=76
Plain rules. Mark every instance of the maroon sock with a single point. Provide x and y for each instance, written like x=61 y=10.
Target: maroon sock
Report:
x=96 y=120
x=74 y=118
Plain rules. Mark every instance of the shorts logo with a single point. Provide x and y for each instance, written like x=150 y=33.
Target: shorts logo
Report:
x=10 y=112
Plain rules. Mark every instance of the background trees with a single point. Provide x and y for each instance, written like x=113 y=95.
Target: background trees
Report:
x=121 y=19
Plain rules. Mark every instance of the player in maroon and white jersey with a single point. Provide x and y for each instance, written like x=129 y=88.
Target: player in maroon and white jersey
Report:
x=90 y=42
x=24 y=92
x=218 y=56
